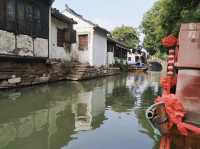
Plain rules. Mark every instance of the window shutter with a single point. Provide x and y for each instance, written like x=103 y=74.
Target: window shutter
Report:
x=72 y=36
x=66 y=35
x=2 y=14
x=28 y=18
x=60 y=37
x=20 y=17
x=11 y=16
x=36 y=21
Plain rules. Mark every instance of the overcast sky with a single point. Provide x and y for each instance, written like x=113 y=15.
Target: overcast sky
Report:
x=109 y=13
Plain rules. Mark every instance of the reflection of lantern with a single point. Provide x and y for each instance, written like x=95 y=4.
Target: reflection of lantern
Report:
x=169 y=41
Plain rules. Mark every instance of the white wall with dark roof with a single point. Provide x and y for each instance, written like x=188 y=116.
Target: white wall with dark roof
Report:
x=96 y=54
x=55 y=51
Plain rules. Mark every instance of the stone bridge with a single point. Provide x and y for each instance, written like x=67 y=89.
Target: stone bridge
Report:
x=157 y=63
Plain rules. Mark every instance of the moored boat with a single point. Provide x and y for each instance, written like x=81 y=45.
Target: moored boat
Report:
x=138 y=68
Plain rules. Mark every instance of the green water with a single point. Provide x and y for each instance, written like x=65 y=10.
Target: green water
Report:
x=106 y=113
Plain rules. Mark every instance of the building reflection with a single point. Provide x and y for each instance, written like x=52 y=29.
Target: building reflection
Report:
x=88 y=105
x=46 y=117
x=118 y=96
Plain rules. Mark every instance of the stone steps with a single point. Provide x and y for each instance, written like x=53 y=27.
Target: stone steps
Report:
x=79 y=71
x=85 y=71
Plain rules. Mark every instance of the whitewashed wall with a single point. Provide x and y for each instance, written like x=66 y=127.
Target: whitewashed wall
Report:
x=99 y=49
x=82 y=27
x=7 y=42
x=96 y=54
x=110 y=58
x=55 y=51
x=132 y=58
x=22 y=45
x=83 y=56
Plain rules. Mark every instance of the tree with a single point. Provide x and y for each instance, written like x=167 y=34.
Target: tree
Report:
x=164 y=18
x=126 y=34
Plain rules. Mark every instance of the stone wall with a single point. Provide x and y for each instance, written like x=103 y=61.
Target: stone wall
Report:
x=25 y=72
x=85 y=72
x=22 y=45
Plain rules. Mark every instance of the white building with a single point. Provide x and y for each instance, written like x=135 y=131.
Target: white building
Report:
x=62 y=36
x=137 y=56
x=91 y=46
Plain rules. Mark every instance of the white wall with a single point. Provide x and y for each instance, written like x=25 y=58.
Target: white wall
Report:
x=110 y=58
x=7 y=42
x=22 y=45
x=96 y=55
x=132 y=55
x=100 y=49
x=83 y=56
x=82 y=27
x=55 y=51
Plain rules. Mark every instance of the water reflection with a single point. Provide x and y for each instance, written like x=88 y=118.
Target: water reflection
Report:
x=105 y=113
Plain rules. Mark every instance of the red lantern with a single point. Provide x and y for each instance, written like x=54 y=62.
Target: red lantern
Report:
x=169 y=41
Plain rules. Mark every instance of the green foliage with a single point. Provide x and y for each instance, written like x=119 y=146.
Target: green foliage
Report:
x=165 y=18
x=161 y=55
x=126 y=34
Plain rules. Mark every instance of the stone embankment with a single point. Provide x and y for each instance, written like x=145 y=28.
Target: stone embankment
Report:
x=26 y=72
x=85 y=71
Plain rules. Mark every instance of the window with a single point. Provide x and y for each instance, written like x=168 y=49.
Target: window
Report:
x=11 y=10
x=20 y=17
x=129 y=58
x=117 y=52
x=29 y=17
x=83 y=42
x=137 y=58
x=2 y=13
x=110 y=48
x=72 y=36
x=11 y=15
x=29 y=12
x=37 y=21
x=20 y=10
x=60 y=37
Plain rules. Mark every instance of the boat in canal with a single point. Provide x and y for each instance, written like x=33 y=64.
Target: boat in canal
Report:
x=137 y=60
x=176 y=114
x=139 y=67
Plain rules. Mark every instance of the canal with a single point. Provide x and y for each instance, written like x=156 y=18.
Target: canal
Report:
x=106 y=113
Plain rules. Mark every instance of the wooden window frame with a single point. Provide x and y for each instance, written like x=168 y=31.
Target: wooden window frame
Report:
x=60 y=37
x=82 y=47
x=24 y=22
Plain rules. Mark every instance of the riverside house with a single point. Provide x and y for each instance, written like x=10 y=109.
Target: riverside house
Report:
x=28 y=53
x=91 y=46
x=62 y=36
x=24 y=28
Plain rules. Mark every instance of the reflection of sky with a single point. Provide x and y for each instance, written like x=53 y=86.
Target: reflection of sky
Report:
x=139 y=83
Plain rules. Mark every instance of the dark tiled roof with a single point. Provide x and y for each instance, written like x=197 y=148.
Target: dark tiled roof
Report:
x=96 y=26
x=49 y=2
x=117 y=42
x=56 y=14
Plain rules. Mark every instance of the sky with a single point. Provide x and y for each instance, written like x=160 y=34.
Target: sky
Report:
x=109 y=13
